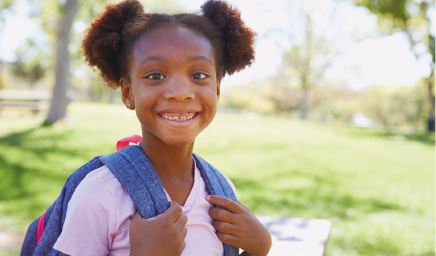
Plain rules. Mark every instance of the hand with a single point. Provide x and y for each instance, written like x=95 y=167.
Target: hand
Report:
x=163 y=235
x=239 y=227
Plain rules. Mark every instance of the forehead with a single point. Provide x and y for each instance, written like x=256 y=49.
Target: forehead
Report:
x=172 y=42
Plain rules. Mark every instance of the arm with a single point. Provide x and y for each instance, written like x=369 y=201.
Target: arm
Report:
x=239 y=227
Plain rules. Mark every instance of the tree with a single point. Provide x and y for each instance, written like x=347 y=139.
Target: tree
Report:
x=301 y=58
x=317 y=37
x=412 y=18
x=60 y=100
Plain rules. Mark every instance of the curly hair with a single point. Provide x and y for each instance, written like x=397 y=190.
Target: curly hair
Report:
x=109 y=40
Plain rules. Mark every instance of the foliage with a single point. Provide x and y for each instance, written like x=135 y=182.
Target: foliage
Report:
x=249 y=97
x=413 y=18
x=31 y=62
x=410 y=16
x=284 y=95
x=388 y=106
x=396 y=105
x=377 y=188
x=4 y=5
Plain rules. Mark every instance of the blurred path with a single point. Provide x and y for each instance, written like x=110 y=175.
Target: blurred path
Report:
x=297 y=236
x=10 y=242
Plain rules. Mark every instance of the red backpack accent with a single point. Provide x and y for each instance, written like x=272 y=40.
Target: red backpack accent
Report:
x=40 y=228
x=124 y=142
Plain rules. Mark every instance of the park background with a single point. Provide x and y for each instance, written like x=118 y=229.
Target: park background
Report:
x=334 y=120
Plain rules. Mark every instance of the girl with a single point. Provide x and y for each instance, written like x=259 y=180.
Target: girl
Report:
x=169 y=69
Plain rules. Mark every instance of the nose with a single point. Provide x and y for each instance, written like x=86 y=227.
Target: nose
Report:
x=179 y=90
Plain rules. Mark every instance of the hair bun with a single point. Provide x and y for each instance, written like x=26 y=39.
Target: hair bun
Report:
x=102 y=40
x=238 y=38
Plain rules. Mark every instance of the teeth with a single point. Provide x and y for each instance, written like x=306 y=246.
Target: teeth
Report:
x=176 y=118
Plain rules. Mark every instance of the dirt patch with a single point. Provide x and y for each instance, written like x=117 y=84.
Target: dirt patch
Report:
x=9 y=241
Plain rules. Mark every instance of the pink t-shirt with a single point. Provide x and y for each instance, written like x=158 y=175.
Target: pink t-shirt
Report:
x=100 y=212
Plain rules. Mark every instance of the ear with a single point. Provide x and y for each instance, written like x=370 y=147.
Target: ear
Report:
x=127 y=94
x=218 y=88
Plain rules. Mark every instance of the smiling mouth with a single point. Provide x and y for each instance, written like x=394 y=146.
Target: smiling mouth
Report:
x=179 y=117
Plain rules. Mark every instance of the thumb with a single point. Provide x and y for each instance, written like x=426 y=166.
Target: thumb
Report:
x=173 y=213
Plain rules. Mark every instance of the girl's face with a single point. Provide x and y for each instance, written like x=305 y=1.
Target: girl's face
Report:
x=174 y=87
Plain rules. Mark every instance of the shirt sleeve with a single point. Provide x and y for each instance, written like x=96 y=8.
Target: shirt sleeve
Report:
x=90 y=220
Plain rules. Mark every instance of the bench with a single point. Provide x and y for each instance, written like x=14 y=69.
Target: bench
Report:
x=297 y=236
x=25 y=100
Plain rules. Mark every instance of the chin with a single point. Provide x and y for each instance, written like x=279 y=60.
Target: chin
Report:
x=179 y=142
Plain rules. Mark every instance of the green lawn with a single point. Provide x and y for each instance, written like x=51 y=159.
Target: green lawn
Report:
x=377 y=188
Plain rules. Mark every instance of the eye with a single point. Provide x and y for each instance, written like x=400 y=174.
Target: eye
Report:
x=198 y=76
x=155 y=76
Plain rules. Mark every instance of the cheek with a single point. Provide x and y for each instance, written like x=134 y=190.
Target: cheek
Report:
x=211 y=100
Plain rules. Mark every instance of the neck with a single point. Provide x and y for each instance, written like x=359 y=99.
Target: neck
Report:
x=170 y=162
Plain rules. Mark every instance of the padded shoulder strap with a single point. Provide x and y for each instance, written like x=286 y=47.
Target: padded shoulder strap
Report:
x=137 y=175
x=216 y=184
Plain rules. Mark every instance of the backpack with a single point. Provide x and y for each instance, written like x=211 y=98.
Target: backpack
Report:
x=136 y=173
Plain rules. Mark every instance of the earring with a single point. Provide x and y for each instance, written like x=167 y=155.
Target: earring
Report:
x=128 y=105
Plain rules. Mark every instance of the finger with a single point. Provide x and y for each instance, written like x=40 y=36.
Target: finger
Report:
x=182 y=248
x=222 y=215
x=243 y=206
x=225 y=227
x=227 y=238
x=181 y=221
x=137 y=218
x=225 y=202
x=173 y=213
x=184 y=232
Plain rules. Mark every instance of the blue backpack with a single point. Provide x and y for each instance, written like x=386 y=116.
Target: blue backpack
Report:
x=137 y=175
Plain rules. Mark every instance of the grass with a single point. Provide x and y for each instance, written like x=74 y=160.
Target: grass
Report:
x=377 y=188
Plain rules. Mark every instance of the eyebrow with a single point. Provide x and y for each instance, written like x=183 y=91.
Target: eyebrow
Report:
x=152 y=58
x=201 y=57
x=159 y=58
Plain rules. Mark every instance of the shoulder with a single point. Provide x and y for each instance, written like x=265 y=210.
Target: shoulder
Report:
x=94 y=215
x=99 y=189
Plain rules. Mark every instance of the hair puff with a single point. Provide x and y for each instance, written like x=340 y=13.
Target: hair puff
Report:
x=103 y=39
x=238 y=38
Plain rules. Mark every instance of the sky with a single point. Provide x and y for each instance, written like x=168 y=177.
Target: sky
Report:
x=381 y=60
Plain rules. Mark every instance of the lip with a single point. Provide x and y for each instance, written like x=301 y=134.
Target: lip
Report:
x=180 y=123
x=178 y=110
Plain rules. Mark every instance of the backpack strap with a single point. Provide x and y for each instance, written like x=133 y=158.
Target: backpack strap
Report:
x=216 y=184
x=138 y=177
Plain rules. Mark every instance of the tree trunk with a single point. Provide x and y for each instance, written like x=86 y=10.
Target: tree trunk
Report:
x=431 y=114
x=304 y=106
x=60 y=100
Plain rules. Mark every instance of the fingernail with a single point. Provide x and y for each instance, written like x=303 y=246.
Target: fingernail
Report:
x=207 y=198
